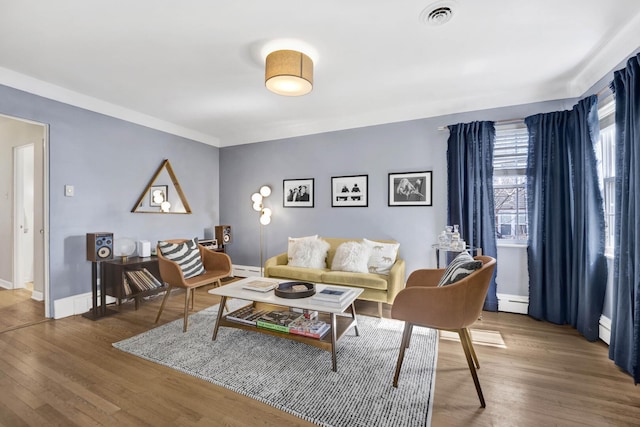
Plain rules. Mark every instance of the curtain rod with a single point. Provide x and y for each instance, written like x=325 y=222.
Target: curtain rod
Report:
x=604 y=92
x=498 y=122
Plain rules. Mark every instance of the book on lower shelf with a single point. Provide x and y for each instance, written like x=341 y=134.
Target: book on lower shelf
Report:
x=312 y=328
x=309 y=314
x=278 y=320
x=246 y=315
x=260 y=285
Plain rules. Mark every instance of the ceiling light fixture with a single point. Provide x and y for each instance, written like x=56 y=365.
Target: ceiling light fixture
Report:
x=288 y=73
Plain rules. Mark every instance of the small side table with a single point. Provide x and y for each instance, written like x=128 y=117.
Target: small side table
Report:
x=477 y=251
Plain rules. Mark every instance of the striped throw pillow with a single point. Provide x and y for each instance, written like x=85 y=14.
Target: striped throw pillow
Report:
x=461 y=266
x=186 y=255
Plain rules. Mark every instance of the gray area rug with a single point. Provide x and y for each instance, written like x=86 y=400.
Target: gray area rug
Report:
x=297 y=378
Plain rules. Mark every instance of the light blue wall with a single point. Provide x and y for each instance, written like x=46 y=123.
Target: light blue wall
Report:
x=110 y=161
x=378 y=150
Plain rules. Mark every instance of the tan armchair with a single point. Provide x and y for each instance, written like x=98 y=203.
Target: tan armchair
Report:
x=453 y=307
x=217 y=266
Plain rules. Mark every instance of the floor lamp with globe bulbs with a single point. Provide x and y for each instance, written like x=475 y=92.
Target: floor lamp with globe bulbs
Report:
x=265 y=216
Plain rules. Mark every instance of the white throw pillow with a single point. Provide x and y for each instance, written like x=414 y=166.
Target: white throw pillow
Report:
x=383 y=256
x=293 y=240
x=309 y=253
x=351 y=256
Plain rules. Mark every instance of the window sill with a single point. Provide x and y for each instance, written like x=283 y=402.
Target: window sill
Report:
x=512 y=244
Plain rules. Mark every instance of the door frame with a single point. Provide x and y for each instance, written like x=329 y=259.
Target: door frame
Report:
x=48 y=303
x=41 y=236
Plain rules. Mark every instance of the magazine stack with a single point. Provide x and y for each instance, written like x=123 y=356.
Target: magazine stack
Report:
x=246 y=315
x=309 y=314
x=332 y=297
x=260 y=285
x=309 y=327
x=277 y=320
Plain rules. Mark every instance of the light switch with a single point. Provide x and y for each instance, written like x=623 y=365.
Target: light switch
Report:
x=68 y=190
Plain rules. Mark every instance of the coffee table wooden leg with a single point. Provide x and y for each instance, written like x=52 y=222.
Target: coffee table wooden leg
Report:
x=334 y=335
x=355 y=321
x=223 y=303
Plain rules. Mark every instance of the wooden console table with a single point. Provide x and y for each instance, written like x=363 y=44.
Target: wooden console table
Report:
x=114 y=270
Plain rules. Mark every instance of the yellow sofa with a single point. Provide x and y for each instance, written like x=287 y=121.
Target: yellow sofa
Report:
x=377 y=287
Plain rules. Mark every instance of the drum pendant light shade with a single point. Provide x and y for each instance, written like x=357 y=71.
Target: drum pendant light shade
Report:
x=288 y=73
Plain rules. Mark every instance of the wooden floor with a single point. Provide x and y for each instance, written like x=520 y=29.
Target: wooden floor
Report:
x=17 y=309
x=65 y=372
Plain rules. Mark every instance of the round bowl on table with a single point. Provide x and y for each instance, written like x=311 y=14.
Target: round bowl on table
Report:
x=295 y=290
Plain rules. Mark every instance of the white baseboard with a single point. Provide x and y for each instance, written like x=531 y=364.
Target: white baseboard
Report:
x=605 y=329
x=246 y=271
x=37 y=296
x=81 y=303
x=5 y=284
x=75 y=304
x=520 y=304
x=513 y=303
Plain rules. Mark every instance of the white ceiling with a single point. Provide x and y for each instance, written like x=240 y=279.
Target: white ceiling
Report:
x=195 y=67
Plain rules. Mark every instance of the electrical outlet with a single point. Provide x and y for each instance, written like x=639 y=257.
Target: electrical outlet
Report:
x=68 y=190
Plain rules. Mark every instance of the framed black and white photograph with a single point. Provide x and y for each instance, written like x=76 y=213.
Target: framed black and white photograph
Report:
x=410 y=189
x=158 y=195
x=298 y=193
x=349 y=191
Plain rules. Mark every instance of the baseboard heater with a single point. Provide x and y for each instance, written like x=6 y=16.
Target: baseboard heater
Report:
x=513 y=303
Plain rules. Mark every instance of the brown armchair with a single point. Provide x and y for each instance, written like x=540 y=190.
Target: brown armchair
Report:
x=217 y=266
x=453 y=307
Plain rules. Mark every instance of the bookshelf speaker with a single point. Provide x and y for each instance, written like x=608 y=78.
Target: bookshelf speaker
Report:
x=223 y=234
x=99 y=246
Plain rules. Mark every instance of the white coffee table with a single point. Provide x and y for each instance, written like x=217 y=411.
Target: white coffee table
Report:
x=339 y=318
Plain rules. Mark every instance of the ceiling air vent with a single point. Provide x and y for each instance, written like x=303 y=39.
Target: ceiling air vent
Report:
x=437 y=14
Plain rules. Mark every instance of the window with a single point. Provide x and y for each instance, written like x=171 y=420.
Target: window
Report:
x=606 y=156
x=509 y=181
x=509 y=176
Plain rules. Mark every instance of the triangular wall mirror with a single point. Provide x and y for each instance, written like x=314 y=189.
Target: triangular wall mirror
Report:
x=163 y=194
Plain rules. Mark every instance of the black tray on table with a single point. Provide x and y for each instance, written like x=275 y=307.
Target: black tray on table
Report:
x=295 y=290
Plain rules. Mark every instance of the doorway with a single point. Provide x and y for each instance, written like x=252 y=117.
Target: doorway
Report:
x=23 y=212
x=24 y=220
